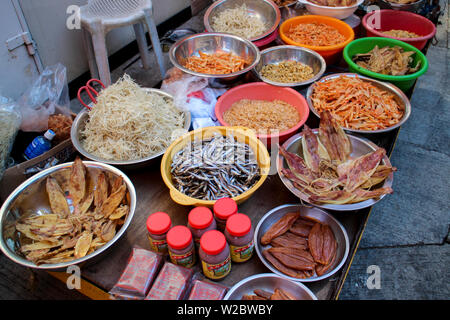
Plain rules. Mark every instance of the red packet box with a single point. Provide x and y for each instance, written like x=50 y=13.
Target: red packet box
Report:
x=171 y=283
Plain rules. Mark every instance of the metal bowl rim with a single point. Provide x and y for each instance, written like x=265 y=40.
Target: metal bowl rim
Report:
x=267 y=275
x=311 y=279
x=394 y=89
x=335 y=207
x=358 y=2
x=77 y=143
x=22 y=187
x=248 y=43
x=323 y=66
x=268 y=32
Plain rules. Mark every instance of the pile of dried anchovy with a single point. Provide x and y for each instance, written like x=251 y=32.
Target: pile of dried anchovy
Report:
x=215 y=168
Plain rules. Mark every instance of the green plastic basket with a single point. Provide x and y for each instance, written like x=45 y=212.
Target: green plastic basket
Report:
x=364 y=45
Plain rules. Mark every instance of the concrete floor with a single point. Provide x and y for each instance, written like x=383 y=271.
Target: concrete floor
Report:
x=407 y=236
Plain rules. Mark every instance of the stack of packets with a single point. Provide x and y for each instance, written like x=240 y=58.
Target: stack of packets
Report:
x=148 y=276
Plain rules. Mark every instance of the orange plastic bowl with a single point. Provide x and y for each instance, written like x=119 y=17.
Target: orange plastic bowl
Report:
x=267 y=92
x=331 y=54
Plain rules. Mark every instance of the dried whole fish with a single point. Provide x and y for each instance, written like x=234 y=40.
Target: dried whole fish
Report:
x=63 y=235
x=331 y=176
x=215 y=168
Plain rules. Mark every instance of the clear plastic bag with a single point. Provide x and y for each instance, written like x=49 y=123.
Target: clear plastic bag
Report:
x=10 y=119
x=194 y=94
x=48 y=93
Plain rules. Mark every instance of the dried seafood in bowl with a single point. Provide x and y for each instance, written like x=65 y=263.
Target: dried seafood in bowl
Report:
x=401 y=34
x=334 y=3
x=215 y=168
x=277 y=294
x=87 y=208
x=326 y=173
x=394 y=61
x=300 y=247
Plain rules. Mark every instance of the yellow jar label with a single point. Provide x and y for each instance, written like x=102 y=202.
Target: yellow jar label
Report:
x=241 y=254
x=217 y=271
x=186 y=260
x=158 y=245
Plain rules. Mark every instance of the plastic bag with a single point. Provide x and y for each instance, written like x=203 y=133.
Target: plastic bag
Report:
x=193 y=93
x=49 y=92
x=10 y=119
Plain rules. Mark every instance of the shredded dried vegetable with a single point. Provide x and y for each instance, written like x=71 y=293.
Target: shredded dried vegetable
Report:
x=216 y=63
x=315 y=34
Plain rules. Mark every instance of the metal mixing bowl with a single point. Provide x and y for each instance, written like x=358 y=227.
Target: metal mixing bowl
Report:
x=31 y=197
x=269 y=282
x=413 y=7
x=317 y=214
x=399 y=96
x=266 y=10
x=80 y=122
x=275 y=55
x=361 y=146
x=211 y=43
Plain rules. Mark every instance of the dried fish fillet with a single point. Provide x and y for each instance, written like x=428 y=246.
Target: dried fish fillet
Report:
x=83 y=244
x=77 y=181
x=101 y=190
x=279 y=227
x=315 y=242
x=301 y=227
x=290 y=239
x=281 y=267
x=58 y=202
x=112 y=202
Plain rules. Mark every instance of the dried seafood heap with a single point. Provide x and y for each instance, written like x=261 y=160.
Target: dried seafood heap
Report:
x=334 y=3
x=277 y=294
x=301 y=247
x=215 y=168
x=65 y=234
x=327 y=174
x=394 y=61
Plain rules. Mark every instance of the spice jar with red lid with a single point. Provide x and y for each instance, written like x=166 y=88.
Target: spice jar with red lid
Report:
x=158 y=224
x=214 y=254
x=181 y=246
x=200 y=220
x=239 y=234
x=223 y=209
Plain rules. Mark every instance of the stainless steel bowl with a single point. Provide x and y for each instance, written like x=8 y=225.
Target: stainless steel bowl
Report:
x=267 y=11
x=268 y=282
x=361 y=146
x=31 y=197
x=338 y=230
x=399 y=96
x=80 y=122
x=413 y=7
x=277 y=54
x=210 y=43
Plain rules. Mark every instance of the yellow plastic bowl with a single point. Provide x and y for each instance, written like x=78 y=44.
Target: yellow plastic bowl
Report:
x=241 y=134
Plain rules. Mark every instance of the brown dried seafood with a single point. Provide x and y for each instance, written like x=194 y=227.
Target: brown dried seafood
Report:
x=278 y=294
x=327 y=174
x=64 y=235
x=394 y=61
x=310 y=250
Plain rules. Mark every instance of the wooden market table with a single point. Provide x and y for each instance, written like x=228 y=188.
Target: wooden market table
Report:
x=152 y=196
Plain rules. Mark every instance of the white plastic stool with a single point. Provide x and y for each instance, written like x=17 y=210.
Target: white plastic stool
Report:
x=99 y=17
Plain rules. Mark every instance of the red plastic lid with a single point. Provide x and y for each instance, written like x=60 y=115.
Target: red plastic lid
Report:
x=224 y=208
x=238 y=225
x=158 y=223
x=213 y=242
x=200 y=217
x=179 y=237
